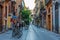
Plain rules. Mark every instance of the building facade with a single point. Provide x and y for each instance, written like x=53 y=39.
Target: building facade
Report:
x=8 y=8
x=53 y=15
x=49 y=14
x=4 y=6
x=42 y=14
x=56 y=16
x=37 y=12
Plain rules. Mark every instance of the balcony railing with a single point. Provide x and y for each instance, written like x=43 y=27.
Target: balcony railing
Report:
x=2 y=0
x=43 y=10
x=14 y=1
x=46 y=1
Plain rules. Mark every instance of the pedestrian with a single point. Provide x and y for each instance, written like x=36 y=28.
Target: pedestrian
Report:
x=20 y=28
x=11 y=23
x=17 y=30
x=13 y=28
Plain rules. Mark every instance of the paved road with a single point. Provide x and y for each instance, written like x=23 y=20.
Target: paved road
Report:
x=33 y=33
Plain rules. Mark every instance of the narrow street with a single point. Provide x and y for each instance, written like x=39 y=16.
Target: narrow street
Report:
x=29 y=20
x=33 y=33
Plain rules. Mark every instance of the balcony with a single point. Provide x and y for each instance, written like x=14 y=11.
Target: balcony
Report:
x=46 y=1
x=14 y=1
x=2 y=0
x=58 y=1
x=35 y=1
x=43 y=11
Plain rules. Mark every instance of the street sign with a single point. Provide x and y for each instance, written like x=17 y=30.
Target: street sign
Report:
x=14 y=17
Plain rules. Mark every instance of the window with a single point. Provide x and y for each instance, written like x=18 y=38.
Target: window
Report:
x=56 y=5
x=9 y=9
x=6 y=11
x=0 y=11
x=49 y=10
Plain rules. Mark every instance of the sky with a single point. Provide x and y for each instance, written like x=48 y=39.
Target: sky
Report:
x=30 y=4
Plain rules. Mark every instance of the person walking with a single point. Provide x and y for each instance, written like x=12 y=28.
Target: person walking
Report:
x=18 y=31
x=13 y=28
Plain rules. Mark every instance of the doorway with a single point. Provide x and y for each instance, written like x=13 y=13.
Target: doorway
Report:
x=1 y=18
x=5 y=17
x=49 y=22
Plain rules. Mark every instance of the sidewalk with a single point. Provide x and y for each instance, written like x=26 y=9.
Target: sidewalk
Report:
x=8 y=35
x=5 y=29
x=3 y=32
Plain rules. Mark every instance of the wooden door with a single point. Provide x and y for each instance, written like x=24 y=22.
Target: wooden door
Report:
x=49 y=22
x=1 y=18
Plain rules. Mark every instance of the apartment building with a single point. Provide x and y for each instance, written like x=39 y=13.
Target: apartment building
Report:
x=8 y=8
